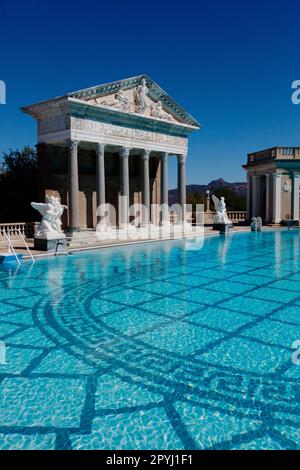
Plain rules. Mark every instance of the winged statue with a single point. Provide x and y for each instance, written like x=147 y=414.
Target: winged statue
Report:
x=220 y=208
x=51 y=212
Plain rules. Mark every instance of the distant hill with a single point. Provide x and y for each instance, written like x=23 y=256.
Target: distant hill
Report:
x=239 y=188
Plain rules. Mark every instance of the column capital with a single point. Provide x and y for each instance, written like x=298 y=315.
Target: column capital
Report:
x=181 y=158
x=146 y=154
x=164 y=156
x=124 y=152
x=100 y=148
x=72 y=144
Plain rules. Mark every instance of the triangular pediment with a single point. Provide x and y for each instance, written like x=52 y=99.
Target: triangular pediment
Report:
x=140 y=95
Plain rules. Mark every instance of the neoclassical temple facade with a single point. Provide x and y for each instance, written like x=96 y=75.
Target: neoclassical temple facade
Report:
x=111 y=140
x=273 y=177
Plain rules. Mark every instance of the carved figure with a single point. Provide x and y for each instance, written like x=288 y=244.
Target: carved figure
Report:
x=220 y=208
x=253 y=224
x=158 y=112
x=142 y=91
x=259 y=224
x=50 y=225
x=120 y=102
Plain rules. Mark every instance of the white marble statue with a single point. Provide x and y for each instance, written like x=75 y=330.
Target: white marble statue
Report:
x=142 y=91
x=256 y=224
x=253 y=224
x=120 y=102
x=158 y=112
x=259 y=224
x=220 y=208
x=50 y=225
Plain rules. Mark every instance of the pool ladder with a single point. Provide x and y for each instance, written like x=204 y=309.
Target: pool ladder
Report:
x=11 y=249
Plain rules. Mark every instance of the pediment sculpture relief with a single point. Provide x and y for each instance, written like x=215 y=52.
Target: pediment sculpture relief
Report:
x=120 y=101
x=157 y=111
x=141 y=96
x=135 y=100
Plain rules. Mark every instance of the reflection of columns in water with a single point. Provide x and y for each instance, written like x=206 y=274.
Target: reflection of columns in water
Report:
x=277 y=248
x=128 y=258
x=223 y=248
x=166 y=248
x=150 y=266
x=295 y=252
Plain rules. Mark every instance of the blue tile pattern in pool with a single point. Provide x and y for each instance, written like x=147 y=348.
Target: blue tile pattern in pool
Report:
x=154 y=347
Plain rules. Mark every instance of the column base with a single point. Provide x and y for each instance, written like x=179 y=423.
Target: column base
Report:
x=72 y=229
x=165 y=223
x=101 y=227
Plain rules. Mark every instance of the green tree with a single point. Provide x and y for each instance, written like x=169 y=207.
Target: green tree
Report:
x=194 y=199
x=234 y=202
x=18 y=182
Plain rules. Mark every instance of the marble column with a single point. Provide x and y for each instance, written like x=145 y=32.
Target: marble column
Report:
x=124 y=177
x=73 y=184
x=276 y=198
x=267 y=197
x=296 y=184
x=164 y=189
x=181 y=186
x=100 y=183
x=145 y=187
x=255 y=196
x=248 y=196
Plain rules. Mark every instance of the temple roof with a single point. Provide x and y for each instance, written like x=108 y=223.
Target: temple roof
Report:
x=155 y=92
x=160 y=105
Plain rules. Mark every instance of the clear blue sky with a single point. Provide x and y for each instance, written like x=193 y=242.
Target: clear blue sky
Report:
x=229 y=63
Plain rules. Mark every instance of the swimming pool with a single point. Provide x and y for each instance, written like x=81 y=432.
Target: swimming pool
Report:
x=154 y=346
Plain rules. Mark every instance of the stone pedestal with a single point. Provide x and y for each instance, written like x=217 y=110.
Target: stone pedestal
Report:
x=290 y=222
x=55 y=245
x=223 y=228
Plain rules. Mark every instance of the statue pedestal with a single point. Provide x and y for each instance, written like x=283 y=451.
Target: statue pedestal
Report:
x=223 y=228
x=54 y=245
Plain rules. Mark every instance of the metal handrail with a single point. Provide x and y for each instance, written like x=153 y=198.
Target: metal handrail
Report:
x=10 y=246
x=26 y=245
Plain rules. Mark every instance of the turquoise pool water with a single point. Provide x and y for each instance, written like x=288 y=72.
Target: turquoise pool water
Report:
x=154 y=347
